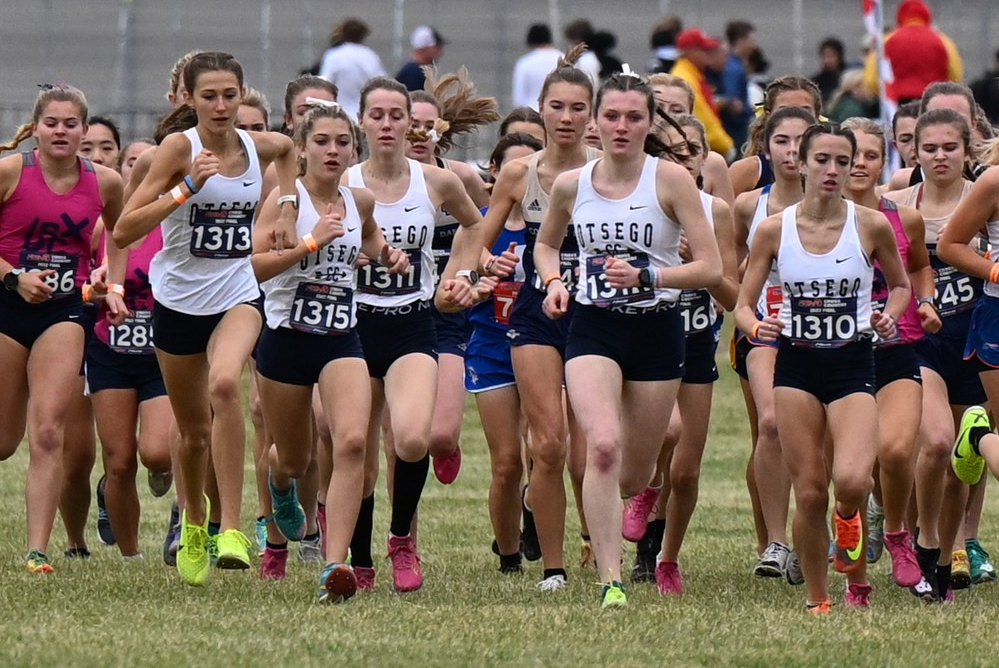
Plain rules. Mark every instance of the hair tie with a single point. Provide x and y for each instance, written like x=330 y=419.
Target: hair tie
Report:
x=433 y=136
x=316 y=102
x=628 y=72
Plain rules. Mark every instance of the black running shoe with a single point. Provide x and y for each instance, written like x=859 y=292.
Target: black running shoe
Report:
x=529 y=545
x=104 y=531
x=644 y=569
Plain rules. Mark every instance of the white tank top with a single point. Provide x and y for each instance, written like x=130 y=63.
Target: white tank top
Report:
x=204 y=267
x=408 y=225
x=696 y=307
x=770 y=298
x=827 y=298
x=634 y=228
x=316 y=295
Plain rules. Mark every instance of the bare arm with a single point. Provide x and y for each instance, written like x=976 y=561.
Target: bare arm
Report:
x=549 y=242
x=717 y=181
x=145 y=208
x=112 y=191
x=278 y=149
x=743 y=174
x=918 y=266
x=885 y=251
x=727 y=291
x=974 y=211
x=761 y=256
x=680 y=199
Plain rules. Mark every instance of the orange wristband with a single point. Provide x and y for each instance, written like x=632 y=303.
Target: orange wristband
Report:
x=178 y=195
x=87 y=293
x=994 y=273
x=756 y=330
x=310 y=243
x=553 y=277
x=116 y=289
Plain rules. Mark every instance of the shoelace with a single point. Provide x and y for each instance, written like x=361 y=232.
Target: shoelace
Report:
x=405 y=555
x=848 y=532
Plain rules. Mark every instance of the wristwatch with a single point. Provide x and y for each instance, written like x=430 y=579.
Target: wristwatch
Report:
x=647 y=277
x=470 y=275
x=925 y=300
x=12 y=279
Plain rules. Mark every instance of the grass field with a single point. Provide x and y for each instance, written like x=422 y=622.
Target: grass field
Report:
x=105 y=612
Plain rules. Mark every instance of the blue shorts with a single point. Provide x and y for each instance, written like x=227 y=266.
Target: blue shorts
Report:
x=487 y=361
x=649 y=346
x=24 y=323
x=893 y=363
x=529 y=326
x=741 y=346
x=982 y=347
x=108 y=370
x=388 y=333
x=453 y=332
x=944 y=354
x=288 y=356
x=699 y=367
x=827 y=374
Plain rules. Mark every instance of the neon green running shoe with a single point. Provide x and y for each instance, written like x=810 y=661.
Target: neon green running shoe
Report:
x=192 y=557
x=966 y=462
x=233 y=549
x=614 y=596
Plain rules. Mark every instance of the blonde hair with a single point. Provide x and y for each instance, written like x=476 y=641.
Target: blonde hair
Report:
x=673 y=81
x=461 y=111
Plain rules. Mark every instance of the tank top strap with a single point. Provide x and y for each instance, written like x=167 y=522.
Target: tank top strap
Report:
x=28 y=159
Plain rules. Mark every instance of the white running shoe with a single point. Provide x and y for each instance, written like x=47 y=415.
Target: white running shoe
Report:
x=553 y=583
x=773 y=561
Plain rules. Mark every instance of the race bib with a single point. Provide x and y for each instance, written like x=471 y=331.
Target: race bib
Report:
x=600 y=292
x=63 y=281
x=321 y=309
x=374 y=278
x=504 y=297
x=955 y=291
x=823 y=322
x=134 y=336
x=221 y=234
x=697 y=311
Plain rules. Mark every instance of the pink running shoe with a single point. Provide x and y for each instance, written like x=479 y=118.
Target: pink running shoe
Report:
x=365 y=578
x=668 y=578
x=274 y=565
x=857 y=595
x=636 y=514
x=406 y=572
x=904 y=567
x=446 y=469
x=321 y=522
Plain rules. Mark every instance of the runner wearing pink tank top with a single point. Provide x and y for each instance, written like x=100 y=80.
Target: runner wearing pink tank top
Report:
x=50 y=201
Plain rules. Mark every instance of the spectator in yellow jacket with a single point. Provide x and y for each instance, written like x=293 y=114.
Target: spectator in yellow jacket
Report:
x=695 y=53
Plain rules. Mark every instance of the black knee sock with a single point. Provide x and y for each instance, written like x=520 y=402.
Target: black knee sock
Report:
x=410 y=477
x=360 y=542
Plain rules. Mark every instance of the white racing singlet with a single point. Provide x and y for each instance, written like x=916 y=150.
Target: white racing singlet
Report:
x=696 y=307
x=316 y=295
x=408 y=225
x=634 y=228
x=770 y=298
x=204 y=267
x=827 y=297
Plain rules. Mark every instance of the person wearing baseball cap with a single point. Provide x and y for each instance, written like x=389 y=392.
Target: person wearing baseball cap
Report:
x=428 y=45
x=696 y=49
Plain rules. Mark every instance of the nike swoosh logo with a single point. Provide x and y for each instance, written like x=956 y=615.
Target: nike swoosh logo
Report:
x=855 y=553
x=351 y=229
x=247 y=184
x=411 y=208
x=636 y=208
x=841 y=260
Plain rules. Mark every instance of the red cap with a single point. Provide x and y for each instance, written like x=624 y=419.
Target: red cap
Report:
x=694 y=38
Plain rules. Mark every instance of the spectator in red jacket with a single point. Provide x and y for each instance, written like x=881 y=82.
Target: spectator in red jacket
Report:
x=919 y=55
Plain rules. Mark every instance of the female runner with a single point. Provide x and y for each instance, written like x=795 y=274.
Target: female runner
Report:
x=394 y=318
x=50 y=200
x=489 y=374
x=452 y=108
x=754 y=359
x=310 y=336
x=204 y=285
x=824 y=373
x=950 y=384
x=692 y=411
x=538 y=344
x=756 y=170
x=625 y=347
x=898 y=383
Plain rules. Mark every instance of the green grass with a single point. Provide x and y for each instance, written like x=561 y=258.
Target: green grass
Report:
x=108 y=613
